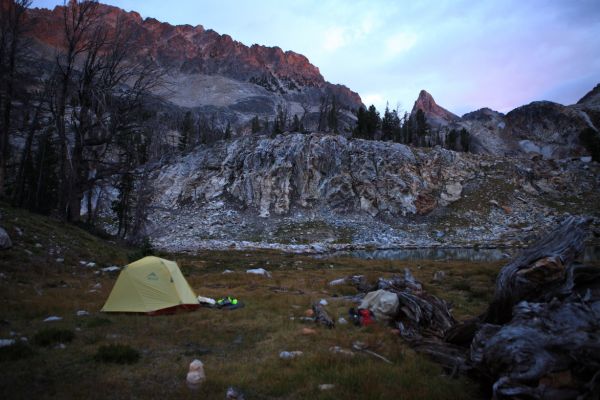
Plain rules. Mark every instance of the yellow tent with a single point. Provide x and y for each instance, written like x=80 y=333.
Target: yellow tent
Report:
x=149 y=285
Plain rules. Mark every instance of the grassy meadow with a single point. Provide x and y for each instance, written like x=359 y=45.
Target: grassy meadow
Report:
x=239 y=348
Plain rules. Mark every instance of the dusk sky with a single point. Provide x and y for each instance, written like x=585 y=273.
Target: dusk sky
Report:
x=467 y=54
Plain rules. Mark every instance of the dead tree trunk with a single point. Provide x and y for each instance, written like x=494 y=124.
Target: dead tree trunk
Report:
x=538 y=269
x=540 y=337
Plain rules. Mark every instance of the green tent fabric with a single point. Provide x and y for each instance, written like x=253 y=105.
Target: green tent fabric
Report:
x=149 y=285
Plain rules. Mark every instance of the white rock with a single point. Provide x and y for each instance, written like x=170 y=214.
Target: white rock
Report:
x=453 y=192
x=323 y=302
x=336 y=282
x=259 y=271
x=234 y=394
x=288 y=355
x=439 y=276
x=228 y=271
x=326 y=386
x=38 y=245
x=82 y=313
x=196 y=374
x=6 y=342
x=53 y=318
x=60 y=260
x=339 y=350
x=91 y=264
x=113 y=268
x=342 y=321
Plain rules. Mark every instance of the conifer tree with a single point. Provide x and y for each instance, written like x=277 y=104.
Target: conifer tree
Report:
x=465 y=140
x=255 y=124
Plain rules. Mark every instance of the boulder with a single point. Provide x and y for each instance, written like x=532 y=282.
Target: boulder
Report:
x=259 y=271
x=196 y=374
x=5 y=242
x=452 y=192
x=439 y=276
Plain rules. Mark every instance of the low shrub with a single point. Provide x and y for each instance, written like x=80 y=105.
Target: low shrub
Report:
x=48 y=337
x=117 y=353
x=145 y=249
x=96 y=322
x=16 y=351
x=461 y=285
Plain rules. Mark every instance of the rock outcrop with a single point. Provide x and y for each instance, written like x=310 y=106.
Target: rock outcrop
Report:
x=327 y=191
x=330 y=172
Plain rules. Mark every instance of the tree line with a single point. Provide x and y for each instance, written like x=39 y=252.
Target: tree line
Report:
x=407 y=129
x=86 y=116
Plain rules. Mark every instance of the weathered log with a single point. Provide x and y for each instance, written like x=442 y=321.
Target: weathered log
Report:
x=361 y=283
x=321 y=315
x=540 y=337
x=423 y=315
x=538 y=269
x=400 y=283
x=548 y=350
x=419 y=314
x=539 y=273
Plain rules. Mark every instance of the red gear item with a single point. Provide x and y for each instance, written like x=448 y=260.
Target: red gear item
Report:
x=366 y=317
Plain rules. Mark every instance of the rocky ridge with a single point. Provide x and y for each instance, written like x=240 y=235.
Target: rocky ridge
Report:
x=542 y=127
x=209 y=72
x=322 y=192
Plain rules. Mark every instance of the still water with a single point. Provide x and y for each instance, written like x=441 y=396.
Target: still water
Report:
x=592 y=253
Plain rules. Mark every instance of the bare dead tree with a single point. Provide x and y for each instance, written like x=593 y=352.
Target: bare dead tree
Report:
x=109 y=86
x=12 y=27
x=79 y=19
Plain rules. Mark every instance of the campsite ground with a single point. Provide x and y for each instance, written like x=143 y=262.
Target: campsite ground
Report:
x=239 y=348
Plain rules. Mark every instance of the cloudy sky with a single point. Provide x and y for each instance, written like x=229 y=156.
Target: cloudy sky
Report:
x=467 y=54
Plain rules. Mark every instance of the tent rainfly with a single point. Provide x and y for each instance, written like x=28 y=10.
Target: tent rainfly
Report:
x=150 y=285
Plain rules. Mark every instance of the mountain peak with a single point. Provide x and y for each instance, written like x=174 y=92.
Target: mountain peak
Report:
x=435 y=114
x=425 y=102
x=592 y=97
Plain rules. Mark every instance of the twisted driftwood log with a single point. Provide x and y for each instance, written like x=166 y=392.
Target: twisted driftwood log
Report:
x=539 y=337
x=536 y=273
